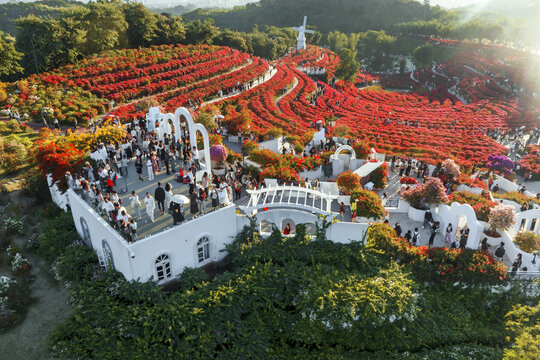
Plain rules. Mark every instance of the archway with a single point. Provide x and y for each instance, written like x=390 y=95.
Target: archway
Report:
x=290 y=221
x=342 y=148
x=457 y=214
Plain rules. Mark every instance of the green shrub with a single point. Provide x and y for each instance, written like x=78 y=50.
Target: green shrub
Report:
x=527 y=241
x=77 y=263
x=58 y=233
x=13 y=225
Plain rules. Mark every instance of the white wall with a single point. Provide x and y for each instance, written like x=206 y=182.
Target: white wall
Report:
x=100 y=230
x=451 y=214
x=57 y=197
x=345 y=232
x=180 y=243
x=274 y=145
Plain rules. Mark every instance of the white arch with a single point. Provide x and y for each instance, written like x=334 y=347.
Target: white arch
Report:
x=193 y=128
x=452 y=214
x=165 y=128
x=343 y=148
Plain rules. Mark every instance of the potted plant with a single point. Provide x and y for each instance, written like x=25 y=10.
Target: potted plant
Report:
x=218 y=155
x=451 y=168
x=501 y=217
x=527 y=241
x=348 y=182
x=368 y=205
x=420 y=198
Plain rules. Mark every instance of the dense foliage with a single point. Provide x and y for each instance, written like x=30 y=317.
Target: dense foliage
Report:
x=290 y=297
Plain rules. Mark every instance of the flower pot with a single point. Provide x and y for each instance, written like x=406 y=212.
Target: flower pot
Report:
x=490 y=234
x=219 y=172
x=416 y=214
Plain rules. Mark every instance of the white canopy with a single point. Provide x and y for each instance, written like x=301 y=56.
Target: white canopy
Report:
x=367 y=168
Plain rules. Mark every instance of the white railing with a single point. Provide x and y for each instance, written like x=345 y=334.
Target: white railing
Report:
x=290 y=196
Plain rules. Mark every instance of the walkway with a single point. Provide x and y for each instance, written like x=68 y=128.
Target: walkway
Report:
x=255 y=84
x=287 y=196
x=295 y=83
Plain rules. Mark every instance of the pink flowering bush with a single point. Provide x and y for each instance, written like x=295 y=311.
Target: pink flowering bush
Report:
x=450 y=167
x=428 y=194
x=218 y=153
x=502 y=217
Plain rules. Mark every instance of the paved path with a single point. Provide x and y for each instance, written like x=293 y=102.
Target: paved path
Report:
x=255 y=84
x=295 y=83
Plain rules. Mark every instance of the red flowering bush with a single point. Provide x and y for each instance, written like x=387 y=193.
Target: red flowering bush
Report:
x=465 y=180
x=408 y=180
x=437 y=264
x=431 y=193
x=378 y=176
x=284 y=174
x=56 y=158
x=348 y=182
x=481 y=205
x=362 y=150
x=248 y=146
x=368 y=204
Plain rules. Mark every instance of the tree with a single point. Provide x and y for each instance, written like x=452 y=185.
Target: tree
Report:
x=198 y=32
x=424 y=55
x=48 y=43
x=9 y=57
x=348 y=66
x=170 y=30
x=232 y=39
x=105 y=27
x=142 y=24
x=523 y=322
x=336 y=40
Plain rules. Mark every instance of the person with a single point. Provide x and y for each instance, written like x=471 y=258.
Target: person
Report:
x=150 y=206
x=138 y=168
x=500 y=251
x=397 y=228
x=194 y=203
x=353 y=211
x=215 y=197
x=408 y=236
x=177 y=214
x=484 y=244
x=428 y=219
x=237 y=189
x=124 y=163
x=287 y=229
x=133 y=229
x=55 y=123
x=195 y=157
x=518 y=262
x=464 y=235
x=414 y=238
x=447 y=236
x=434 y=231
x=202 y=199
x=342 y=210
x=150 y=169
x=159 y=195
x=136 y=203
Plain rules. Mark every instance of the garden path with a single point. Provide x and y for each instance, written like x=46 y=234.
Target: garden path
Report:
x=278 y=99
x=267 y=76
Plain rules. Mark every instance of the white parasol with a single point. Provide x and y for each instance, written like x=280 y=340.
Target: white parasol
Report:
x=180 y=199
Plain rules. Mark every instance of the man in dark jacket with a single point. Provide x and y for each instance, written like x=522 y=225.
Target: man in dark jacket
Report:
x=159 y=195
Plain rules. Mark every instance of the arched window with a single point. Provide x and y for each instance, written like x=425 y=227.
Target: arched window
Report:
x=86 y=232
x=107 y=254
x=203 y=249
x=163 y=267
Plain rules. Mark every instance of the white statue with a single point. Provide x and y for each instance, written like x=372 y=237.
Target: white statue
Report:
x=301 y=40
